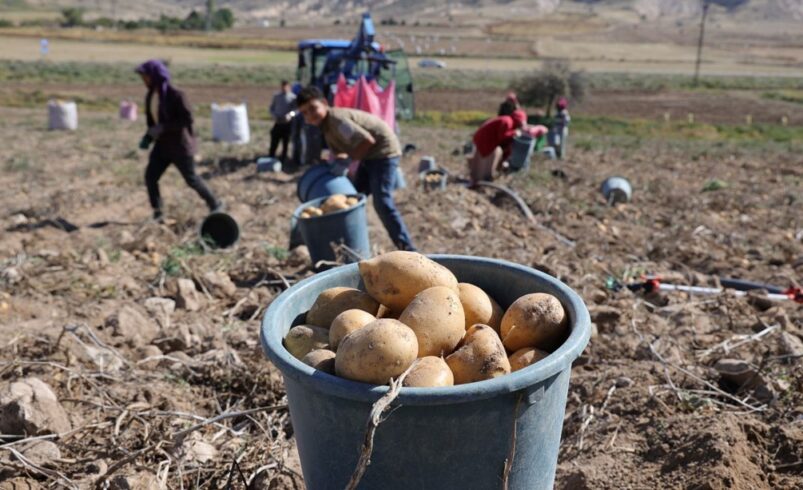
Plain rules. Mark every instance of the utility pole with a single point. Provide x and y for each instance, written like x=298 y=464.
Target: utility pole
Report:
x=210 y=11
x=700 y=44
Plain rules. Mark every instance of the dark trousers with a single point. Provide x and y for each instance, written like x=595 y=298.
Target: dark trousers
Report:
x=158 y=163
x=280 y=133
x=378 y=177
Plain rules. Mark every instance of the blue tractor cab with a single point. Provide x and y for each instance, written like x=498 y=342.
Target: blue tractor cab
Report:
x=322 y=61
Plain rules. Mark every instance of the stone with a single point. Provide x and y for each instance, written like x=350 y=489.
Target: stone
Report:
x=41 y=452
x=138 y=481
x=791 y=346
x=187 y=296
x=299 y=256
x=220 y=284
x=201 y=452
x=29 y=407
x=20 y=483
x=148 y=351
x=161 y=308
x=133 y=326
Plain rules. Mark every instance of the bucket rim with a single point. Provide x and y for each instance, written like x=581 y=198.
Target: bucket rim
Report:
x=524 y=380
x=220 y=214
x=360 y=203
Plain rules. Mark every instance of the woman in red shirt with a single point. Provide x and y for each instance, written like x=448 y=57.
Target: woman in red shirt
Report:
x=492 y=144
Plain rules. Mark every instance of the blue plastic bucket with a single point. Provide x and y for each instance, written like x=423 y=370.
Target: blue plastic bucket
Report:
x=616 y=190
x=220 y=230
x=347 y=226
x=521 y=152
x=319 y=182
x=438 y=438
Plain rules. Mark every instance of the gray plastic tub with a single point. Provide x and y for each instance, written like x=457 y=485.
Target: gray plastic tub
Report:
x=439 y=438
x=347 y=226
x=616 y=190
x=521 y=152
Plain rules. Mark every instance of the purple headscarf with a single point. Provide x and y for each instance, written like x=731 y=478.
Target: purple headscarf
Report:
x=160 y=80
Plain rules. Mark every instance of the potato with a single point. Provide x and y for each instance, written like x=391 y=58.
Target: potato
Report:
x=394 y=278
x=479 y=307
x=534 y=320
x=335 y=301
x=321 y=359
x=347 y=322
x=436 y=316
x=526 y=357
x=333 y=203
x=429 y=372
x=302 y=339
x=381 y=350
x=352 y=201
x=313 y=211
x=482 y=356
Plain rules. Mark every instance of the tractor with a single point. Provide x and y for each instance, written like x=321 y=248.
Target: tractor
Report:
x=322 y=61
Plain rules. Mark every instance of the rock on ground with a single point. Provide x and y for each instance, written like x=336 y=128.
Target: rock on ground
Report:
x=29 y=407
x=220 y=284
x=187 y=296
x=133 y=326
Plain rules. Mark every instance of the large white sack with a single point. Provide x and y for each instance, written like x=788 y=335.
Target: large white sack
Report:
x=62 y=115
x=230 y=123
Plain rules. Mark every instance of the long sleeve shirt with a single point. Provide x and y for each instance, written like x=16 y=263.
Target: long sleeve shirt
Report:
x=177 y=137
x=498 y=131
x=281 y=105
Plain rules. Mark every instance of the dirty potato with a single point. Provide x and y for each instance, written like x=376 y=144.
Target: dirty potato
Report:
x=429 y=372
x=335 y=301
x=482 y=356
x=377 y=352
x=334 y=202
x=394 y=278
x=436 y=316
x=347 y=322
x=534 y=320
x=526 y=357
x=321 y=359
x=479 y=307
x=302 y=339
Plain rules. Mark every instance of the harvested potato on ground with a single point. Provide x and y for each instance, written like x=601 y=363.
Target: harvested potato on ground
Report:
x=394 y=278
x=321 y=359
x=347 y=322
x=482 y=356
x=429 y=372
x=479 y=307
x=534 y=320
x=335 y=301
x=302 y=339
x=526 y=357
x=381 y=350
x=436 y=316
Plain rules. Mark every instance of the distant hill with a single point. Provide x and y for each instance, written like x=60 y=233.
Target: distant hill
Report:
x=315 y=10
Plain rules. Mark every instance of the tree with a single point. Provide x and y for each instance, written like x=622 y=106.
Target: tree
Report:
x=73 y=17
x=223 y=19
x=543 y=87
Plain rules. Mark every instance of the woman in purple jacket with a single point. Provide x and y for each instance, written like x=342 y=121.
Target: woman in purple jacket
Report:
x=169 y=120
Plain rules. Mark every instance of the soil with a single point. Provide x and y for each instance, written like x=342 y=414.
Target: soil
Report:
x=646 y=407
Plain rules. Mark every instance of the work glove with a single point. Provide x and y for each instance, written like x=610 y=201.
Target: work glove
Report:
x=145 y=142
x=340 y=167
x=289 y=116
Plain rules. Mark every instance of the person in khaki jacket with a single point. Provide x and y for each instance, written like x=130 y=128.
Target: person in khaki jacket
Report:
x=358 y=135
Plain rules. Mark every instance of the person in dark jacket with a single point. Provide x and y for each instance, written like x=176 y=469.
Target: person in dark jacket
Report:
x=169 y=120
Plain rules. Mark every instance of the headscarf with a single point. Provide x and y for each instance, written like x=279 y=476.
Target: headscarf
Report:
x=562 y=103
x=519 y=118
x=511 y=97
x=160 y=80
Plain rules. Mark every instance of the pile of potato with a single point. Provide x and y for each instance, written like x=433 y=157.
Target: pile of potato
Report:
x=433 y=177
x=415 y=313
x=333 y=203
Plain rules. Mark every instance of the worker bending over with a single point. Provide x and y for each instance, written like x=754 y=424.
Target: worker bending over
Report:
x=492 y=145
x=358 y=135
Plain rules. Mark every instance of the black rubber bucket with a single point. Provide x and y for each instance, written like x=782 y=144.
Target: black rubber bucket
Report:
x=220 y=230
